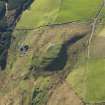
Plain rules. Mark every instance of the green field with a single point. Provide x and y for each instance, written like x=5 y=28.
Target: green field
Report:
x=88 y=80
x=41 y=12
x=44 y=12
x=78 y=10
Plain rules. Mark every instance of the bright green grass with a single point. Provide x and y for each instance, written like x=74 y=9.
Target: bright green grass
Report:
x=44 y=12
x=41 y=12
x=78 y=10
x=88 y=80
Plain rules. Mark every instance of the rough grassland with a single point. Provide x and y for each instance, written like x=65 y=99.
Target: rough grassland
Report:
x=88 y=77
x=43 y=48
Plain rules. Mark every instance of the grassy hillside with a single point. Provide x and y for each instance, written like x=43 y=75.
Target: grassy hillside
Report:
x=88 y=76
x=43 y=49
x=82 y=10
x=41 y=12
x=88 y=80
x=29 y=78
x=57 y=11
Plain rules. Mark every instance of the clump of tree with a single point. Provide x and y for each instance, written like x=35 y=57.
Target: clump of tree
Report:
x=2 y=9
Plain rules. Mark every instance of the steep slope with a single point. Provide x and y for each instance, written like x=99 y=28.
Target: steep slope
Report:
x=56 y=34
x=49 y=46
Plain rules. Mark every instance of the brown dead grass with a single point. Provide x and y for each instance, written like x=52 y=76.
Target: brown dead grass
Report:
x=98 y=47
x=38 y=42
x=64 y=95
